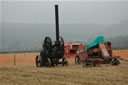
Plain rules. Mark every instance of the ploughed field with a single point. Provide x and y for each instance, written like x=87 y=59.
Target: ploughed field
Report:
x=26 y=73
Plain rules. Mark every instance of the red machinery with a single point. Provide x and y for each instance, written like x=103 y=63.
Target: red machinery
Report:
x=70 y=49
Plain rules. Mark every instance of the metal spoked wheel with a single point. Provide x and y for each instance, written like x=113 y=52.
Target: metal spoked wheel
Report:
x=38 y=61
x=47 y=44
x=115 y=62
x=94 y=64
x=49 y=63
x=77 y=60
x=65 y=62
x=56 y=62
x=86 y=64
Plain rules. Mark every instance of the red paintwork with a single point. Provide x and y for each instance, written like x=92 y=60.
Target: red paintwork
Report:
x=103 y=54
x=70 y=49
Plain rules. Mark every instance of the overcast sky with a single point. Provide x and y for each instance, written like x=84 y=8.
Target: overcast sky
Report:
x=102 y=12
x=71 y=12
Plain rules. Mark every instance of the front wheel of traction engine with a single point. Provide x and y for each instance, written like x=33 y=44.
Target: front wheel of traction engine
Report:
x=38 y=61
x=65 y=62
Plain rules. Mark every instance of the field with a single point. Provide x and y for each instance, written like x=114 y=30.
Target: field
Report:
x=20 y=59
x=26 y=73
x=29 y=58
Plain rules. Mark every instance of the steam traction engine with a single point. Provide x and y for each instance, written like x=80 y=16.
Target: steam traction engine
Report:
x=51 y=54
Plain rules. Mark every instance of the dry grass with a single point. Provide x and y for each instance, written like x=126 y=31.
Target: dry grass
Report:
x=71 y=75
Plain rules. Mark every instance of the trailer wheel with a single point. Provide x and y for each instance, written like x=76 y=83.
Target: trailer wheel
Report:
x=115 y=62
x=38 y=61
x=77 y=60
x=84 y=65
x=94 y=63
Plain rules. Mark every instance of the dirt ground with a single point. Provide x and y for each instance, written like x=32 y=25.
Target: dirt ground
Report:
x=29 y=58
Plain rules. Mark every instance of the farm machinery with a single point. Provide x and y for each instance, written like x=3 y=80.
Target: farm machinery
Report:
x=70 y=49
x=98 y=52
x=52 y=53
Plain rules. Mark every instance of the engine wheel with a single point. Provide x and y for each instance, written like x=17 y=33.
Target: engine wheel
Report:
x=49 y=63
x=65 y=62
x=47 y=45
x=38 y=61
x=56 y=62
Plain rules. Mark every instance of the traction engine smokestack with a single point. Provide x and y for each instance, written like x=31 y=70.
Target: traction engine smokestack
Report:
x=57 y=22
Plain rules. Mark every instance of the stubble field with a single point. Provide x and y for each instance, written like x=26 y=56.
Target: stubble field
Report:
x=26 y=73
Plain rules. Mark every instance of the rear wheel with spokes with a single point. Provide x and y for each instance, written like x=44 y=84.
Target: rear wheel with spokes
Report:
x=38 y=61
